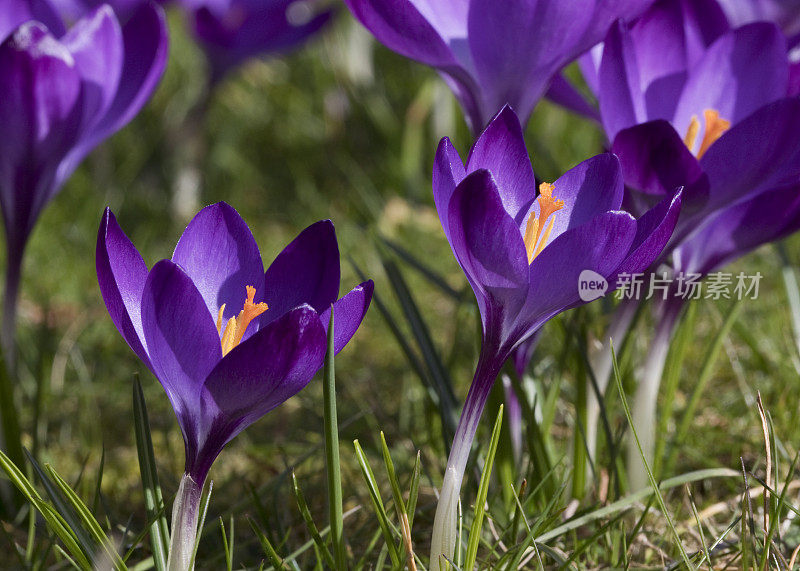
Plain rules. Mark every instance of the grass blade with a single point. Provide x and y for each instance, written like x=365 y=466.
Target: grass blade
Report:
x=153 y=500
x=653 y=483
x=332 y=454
x=399 y=505
x=274 y=559
x=310 y=525
x=377 y=503
x=483 y=490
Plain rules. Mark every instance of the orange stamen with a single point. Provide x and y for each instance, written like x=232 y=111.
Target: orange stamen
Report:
x=715 y=127
x=236 y=326
x=691 y=133
x=547 y=206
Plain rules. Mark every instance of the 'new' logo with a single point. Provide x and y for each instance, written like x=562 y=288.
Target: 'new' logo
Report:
x=591 y=285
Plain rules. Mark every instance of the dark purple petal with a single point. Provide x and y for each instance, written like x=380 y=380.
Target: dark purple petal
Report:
x=653 y=232
x=670 y=38
x=599 y=245
x=501 y=150
x=758 y=153
x=655 y=159
x=401 y=26
x=145 y=42
x=267 y=369
x=619 y=90
x=181 y=338
x=40 y=110
x=96 y=44
x=785 y=13
x=219 y=254
x=516 y=48
x=305 y=272
x=794 y=79
x=243 y=29
x=348 y=312
x=121 y=272
x=742 y=71
x=17 y=12
x=448 y=171
x=737 y=230
x=488 y=245
x=591 y=188
x=565 y=94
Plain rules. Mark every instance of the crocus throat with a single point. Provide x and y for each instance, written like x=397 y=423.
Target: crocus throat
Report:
x=236 y=326
x=715 y=127
x=535 y=227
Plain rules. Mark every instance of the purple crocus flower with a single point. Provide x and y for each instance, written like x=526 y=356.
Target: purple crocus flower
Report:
x=785 y=13
x=493 y=53
x=63 y=94
x=232 y=31
x=523 y=254
x=227 y=341
x=688 y=101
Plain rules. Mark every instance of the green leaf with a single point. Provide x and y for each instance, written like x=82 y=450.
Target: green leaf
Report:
x=332 y=453
x=269 y=551
x=483 y=491
x=310 y=525
x=153 y=499
x=377 y=503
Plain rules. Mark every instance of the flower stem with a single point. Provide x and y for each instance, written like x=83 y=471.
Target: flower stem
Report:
x=644 y=406
x=444 y=535
x=185 y=512
x=9 y=420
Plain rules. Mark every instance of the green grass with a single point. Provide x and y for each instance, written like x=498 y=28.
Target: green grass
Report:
x=293 y=140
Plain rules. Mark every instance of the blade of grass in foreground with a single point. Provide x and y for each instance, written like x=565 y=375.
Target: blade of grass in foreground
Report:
x=653 y=483
x=483 y=490
x=332 y=453
x=153 y=500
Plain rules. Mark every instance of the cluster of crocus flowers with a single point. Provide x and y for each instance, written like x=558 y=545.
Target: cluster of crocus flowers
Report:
x=227 y=341
x=687 y=101
x=232 y=31
x=494 y=53
x=523 y=253
x=64 y=92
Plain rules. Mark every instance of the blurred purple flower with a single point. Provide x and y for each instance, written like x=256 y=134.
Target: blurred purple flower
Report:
x=784 y=13
x=683 y=98
x=523 y=253
x=63 y=94
x=494 y=53
x=227 y=341
x=232 y=31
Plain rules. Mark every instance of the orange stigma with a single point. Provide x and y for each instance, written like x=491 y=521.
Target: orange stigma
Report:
x=715 y=127
x=236 y=326
x=536 y=224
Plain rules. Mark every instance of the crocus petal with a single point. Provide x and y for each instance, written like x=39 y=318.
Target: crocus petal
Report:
x=218 y=252
x=400 y=26
x=654 y=158
x=670 y=38
x=619 y=90
x=489 y=247
x=306 y=271
x=501 y=150
x=96 y=44
x=794 y=79
x=737 y=230
x=764 y=149
x=40 y=111
x=448 y=171
x=563 y=93
x=518 y=47
x=348 y=313
x=17 y=12
x=271 y=366
x=146 y=44
x=742 y=71
x=599 y=245
x=653 y=231
x=181 y=337
x=122 y=273
x=590 y=188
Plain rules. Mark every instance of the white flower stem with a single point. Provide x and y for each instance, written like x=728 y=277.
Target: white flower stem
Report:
x=185 y=512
